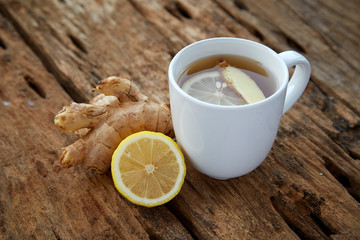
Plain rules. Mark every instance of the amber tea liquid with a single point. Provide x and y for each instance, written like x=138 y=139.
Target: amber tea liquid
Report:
x=263 y=78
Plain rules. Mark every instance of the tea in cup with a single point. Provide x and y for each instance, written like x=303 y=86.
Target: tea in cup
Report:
x=229 y=132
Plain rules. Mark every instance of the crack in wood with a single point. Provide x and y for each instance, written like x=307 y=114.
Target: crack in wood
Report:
x=179 y=9
x=328 y=106
x=302 y=216
x=35 y=86
x=173 y=11
x=182 y=219
x=294 y=44
x=55 y=234
x=342 y=177
x=79 y=44
x=2 y=44
x=183 y=9
x=280 y=209
x=239 y=4
x=349 y=139
x=326 y=229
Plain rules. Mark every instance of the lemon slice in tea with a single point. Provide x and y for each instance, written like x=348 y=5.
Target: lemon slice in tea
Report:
x=210 y=87
x=148 y=168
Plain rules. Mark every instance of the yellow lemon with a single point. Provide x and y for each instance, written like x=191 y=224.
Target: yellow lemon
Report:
x=148 y=168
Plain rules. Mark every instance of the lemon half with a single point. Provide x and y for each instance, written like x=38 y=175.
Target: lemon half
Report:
x=148 y=168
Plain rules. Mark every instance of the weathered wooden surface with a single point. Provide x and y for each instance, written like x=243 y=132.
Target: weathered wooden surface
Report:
x=54 y=52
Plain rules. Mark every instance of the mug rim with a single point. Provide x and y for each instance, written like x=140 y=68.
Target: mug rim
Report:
x=173 y=82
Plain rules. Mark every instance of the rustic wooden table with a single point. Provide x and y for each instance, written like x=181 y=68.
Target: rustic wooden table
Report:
x=54 y=52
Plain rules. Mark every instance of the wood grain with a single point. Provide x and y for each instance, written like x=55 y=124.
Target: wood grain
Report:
x=54 y=52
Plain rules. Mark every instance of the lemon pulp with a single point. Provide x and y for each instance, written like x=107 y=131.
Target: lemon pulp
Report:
x=210 y=87
x=148 y=168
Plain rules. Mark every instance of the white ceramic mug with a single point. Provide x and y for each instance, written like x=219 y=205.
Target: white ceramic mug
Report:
x=229 y=141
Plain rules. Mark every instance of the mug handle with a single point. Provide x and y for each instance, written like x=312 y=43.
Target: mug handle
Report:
x=299 y=79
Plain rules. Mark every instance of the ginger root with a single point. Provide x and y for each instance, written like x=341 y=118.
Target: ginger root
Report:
x=119 y=111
